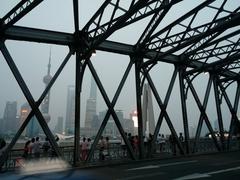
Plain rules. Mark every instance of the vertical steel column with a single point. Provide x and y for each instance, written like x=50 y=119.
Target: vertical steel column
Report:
x=181 y=71
x=138 y=62
x=78 y=83
x=219 y=112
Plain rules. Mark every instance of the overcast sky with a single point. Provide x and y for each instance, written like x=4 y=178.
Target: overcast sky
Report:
x=32 y=60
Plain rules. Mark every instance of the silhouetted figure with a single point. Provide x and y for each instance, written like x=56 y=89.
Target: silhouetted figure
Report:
x=46 y=147
x=101 y=148
x=26 y=150
x=150 y=139
x=173 y=142
x=181 y=139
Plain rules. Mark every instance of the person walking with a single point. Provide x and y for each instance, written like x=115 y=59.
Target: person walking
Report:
x=83 y=146
x=101 y=148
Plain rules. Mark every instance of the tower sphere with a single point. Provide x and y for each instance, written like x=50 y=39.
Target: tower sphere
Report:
x=47 y=79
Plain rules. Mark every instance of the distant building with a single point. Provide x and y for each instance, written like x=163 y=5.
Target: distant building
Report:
x=111 y=129
x=33 y=127
x=59 y=125
x=204 y=130
x=128 y=126
x=10 y=123
x=70 y=112
x=134 y=118
x=46 y=101
x=147 y=111
x=192 y=131
x=216 y=127
x=91 y=105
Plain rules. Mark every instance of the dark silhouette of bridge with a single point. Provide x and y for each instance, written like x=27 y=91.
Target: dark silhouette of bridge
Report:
x=192 y=47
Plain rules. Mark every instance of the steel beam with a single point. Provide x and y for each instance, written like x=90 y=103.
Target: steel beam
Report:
x=105 y=120
x=20 y=10
x=139 y=104
x=181 y=71
x=31 y=114
x=163 y=107
x=111 y=109
x=203 y=115
x=76 y=15
x=78 y=84
x=29 y=97
x=219 y=112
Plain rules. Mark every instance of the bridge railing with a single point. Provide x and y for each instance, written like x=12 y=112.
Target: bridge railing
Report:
x=116 y=153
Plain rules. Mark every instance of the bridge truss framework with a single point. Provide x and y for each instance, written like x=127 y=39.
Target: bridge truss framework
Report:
x=212 y=47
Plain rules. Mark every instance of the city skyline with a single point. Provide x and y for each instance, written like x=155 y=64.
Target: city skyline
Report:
x=31 y=59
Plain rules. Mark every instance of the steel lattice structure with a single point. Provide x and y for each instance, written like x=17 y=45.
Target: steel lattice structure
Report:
x=196 y=48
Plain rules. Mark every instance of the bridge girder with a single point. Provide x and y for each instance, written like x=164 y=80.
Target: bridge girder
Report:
x=212 y=46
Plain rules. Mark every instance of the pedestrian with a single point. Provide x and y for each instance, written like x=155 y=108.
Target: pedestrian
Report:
x=53 y=152
x=89 y=145
x=159 y=142
x=101 y=148
x=32 y=147
x=162 y=143
x=37 y=148
x=46 y=146
x=83 y=146
x=135 y=144
x=123 y=146
x=26 y=150
x=172 y=140
x=107 y=147
x=150 y=139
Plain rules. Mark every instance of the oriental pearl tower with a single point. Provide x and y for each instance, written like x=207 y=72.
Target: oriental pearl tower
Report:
x=46 y=101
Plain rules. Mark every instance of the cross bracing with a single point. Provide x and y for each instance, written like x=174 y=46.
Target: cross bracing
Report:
x=193 y=43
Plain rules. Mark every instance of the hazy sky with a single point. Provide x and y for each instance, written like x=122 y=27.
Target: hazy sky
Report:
x=32 y=60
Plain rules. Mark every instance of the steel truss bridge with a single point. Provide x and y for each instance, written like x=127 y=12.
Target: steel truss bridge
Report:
x=208 y=45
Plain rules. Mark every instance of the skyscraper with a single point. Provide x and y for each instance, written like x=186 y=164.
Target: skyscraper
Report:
x=46 y=101
x=70 y=112
x=33 y=127
x=91 y=105
x=10 y=123
x=59 y=125
x=147 y=111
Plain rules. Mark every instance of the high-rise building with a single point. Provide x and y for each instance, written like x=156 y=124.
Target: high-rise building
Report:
x=91 y=105
x=70 y=112
x=111 y=129
x=59 y=125
x=10 y=123
x=147 y=111
x=33 y=127
x=46 y=101
x=24 y=111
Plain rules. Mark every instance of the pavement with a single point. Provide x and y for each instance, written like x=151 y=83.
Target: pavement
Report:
x=217 y=166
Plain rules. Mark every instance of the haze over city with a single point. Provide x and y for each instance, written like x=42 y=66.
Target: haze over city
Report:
x=32 y=60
